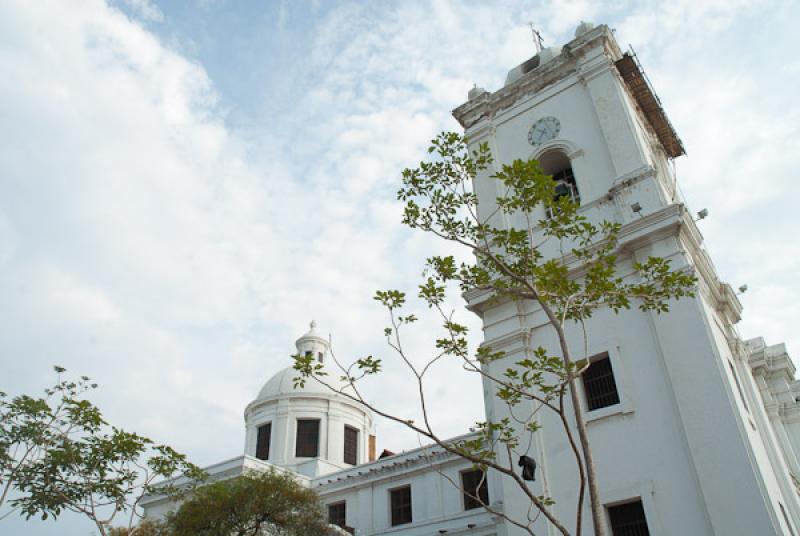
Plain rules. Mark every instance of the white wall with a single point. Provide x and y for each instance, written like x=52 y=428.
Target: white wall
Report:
x=333 y=413
x=436 y=503
x=679 y=439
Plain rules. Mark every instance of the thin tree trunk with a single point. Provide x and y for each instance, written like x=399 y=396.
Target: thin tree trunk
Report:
x=591 y=473
x=580 y=423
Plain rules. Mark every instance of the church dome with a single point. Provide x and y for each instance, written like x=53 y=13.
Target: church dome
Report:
x=311 y=430
x=282 y=383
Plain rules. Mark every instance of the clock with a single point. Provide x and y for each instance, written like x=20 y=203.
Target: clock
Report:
x=545 y=129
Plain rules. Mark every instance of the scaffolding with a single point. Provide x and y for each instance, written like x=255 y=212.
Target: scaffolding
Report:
x=635 y=78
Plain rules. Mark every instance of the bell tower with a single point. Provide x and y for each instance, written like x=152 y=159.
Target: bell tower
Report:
x=680 y=433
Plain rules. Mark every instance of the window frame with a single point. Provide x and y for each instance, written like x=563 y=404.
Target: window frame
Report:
x=566 y=177
x=268 y=439
x=575 y=155
x=468 y=502
x=603 y=356
x=337 y=504
x=395 y=510
x=351 y=430
x=625 y=503
x=297 y=442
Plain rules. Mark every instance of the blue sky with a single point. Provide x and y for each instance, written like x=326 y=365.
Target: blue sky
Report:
x=185 y=185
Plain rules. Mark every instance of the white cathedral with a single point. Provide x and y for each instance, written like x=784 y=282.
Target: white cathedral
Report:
x=695 y=432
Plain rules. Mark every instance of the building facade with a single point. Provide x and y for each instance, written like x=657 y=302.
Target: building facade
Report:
x=694 y=431
x=327 y=442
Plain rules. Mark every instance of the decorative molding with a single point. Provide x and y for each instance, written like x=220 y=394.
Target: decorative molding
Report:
x=593 y=68
x=618 y=410
x=404 y=463
x=488 y=105
x=629 y=179
x=569 y=148
x=359 y=475
x=632 y=236
x=221 y=471
x=517 y=339
x=301 y=395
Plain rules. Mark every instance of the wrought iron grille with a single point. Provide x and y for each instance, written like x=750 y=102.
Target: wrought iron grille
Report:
x=599 y=384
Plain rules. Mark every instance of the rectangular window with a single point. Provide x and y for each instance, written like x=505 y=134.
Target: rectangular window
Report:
x=262 y=441
x=400 y=505
x=337 y=512
x=628 y=519
x=307 y=445
x=474 y=486
x=738 y=386
x=599 y=384
x=350 y=445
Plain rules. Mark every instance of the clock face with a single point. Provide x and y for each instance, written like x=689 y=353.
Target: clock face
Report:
x=545 y=129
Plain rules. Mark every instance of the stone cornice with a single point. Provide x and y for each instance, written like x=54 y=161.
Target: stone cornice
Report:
x=672 y=220
x=771 y=361
x=790 y=412
x=629 y=179
x=221 y=471
x=302 y=395
x=638 y=233
x=400 y=464
x=488 y=105
x=510 y=343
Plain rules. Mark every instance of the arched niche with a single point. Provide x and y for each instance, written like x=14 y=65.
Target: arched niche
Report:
x=556 y=163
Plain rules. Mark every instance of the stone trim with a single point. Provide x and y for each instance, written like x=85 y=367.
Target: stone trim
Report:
x=405 y=462
x=488 y=105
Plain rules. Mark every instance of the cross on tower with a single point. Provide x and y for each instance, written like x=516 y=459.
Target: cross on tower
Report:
x=537 y=38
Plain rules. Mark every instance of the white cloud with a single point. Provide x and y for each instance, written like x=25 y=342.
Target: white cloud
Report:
x=146 y=9
x=146 y=243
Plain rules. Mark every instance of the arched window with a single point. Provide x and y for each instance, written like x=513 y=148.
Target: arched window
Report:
x=557 y=164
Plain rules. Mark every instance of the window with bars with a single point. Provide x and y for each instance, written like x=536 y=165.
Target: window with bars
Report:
x=262 y=441
x=307 y=445
x=599 y=384
x=350 y=445
x=400 y=499
x=474 y=486
x=337 y=514
x=628 y=519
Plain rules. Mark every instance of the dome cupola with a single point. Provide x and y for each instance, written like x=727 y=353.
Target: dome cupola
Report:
x=312 y=429
x=312 y=343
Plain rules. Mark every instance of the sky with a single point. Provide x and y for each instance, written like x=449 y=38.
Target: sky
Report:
x=185 y=185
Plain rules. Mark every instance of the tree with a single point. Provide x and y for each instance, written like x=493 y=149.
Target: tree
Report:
x=253 y=504
x=508 y=244
x=146 y=527
x=57 y=453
